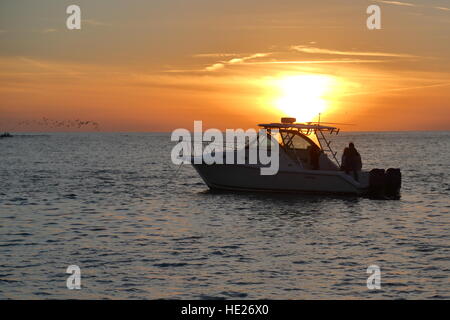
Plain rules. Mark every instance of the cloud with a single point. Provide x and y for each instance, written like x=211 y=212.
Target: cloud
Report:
x=307 y=49
x=274 y=62
x=215 y=67
x=49 y=30
x=93 y=22
x=398 y=3
x=253 y=56
x=317 y=61
x=442 y=8
x=215 y=55
x=285 y=58
x=34 y=62
x=444 y=84
x=407 y=4
x=222 y=64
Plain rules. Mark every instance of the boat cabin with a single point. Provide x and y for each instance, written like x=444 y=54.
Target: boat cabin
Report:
x=305 y=143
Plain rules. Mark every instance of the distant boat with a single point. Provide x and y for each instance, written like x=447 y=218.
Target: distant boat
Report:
x=296 y=173
x=5 y=135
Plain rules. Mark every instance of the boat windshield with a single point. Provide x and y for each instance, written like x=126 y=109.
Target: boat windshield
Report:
x=289 y=139
x=303 y=140
x=294 y=140
x=300 y=148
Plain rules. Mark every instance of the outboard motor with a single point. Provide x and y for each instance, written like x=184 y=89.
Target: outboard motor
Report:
x=393 y=182
x=377 y=181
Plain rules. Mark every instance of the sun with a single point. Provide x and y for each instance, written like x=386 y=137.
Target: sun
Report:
x=304 y=96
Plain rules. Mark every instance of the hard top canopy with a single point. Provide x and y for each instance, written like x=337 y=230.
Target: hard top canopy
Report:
x=301 y=126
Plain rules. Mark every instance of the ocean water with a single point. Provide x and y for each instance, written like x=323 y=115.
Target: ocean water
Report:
x=105 y=202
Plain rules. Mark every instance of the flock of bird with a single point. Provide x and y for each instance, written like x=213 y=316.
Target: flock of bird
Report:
x=50 y=123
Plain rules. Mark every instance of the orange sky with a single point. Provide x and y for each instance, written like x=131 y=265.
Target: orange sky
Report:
x=160 y=65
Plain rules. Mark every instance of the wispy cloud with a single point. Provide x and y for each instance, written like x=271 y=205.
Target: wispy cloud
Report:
x=215 y=66
x=398 y=3
x=442 y=8
x=94 y=22
x=307 y=49
x=317 y=61
x=33 y=62
x=444 y=84
x=222 y=64
x=286 y=58
x=407 y=4
x=215 y=55
x=49 y=30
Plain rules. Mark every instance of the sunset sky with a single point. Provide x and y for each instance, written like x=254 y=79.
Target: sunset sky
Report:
x=157 y=65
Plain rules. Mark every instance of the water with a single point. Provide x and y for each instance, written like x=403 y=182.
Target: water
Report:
x=99 y=201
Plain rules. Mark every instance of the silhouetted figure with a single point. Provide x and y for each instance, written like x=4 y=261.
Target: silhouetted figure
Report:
x=344 y=160
x=351 y=161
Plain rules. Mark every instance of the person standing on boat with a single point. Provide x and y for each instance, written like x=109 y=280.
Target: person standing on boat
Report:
x=344 y=160
x=351 y=161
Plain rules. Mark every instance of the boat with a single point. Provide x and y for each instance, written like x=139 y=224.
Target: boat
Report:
x=5 y=135
x=299 y=170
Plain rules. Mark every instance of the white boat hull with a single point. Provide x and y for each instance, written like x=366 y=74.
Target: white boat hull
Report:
x=248 y=178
